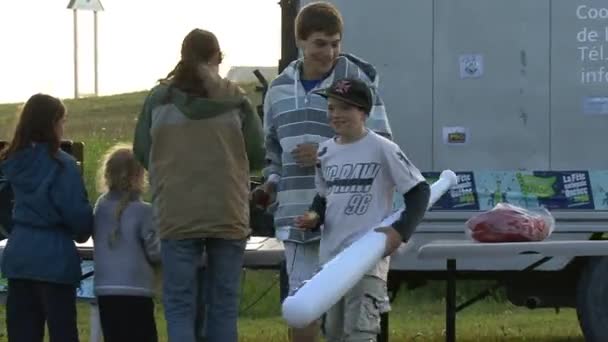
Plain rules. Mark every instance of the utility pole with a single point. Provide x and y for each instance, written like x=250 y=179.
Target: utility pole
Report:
x=87 y=5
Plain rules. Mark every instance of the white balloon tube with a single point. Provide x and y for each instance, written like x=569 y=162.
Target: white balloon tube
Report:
x=317 y=295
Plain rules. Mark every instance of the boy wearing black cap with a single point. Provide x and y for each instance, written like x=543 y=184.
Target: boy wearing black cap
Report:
x=357 y=173
x=295 y=122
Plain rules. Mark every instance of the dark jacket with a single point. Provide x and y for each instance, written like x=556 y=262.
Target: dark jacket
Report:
x=51 y=211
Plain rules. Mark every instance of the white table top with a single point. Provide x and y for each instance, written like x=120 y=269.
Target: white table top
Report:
x=459 y=249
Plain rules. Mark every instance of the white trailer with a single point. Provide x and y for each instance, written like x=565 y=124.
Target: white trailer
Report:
x=514 y=95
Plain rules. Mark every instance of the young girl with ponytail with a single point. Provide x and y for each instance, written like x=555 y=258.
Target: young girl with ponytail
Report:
x=126 y=248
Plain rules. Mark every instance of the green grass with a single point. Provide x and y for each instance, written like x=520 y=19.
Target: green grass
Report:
x=411 y=320
x=417 y=315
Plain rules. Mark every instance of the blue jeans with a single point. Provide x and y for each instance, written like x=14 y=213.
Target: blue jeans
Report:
x=183 y=290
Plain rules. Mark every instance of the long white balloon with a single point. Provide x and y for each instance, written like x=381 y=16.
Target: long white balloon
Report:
x=339 y=275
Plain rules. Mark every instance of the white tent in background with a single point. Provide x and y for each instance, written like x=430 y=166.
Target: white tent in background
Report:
x=244 y=74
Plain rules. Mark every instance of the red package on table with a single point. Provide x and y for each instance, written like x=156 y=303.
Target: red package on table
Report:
x=509 y=223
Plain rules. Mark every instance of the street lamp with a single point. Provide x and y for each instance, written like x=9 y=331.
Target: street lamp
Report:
x=87 y=5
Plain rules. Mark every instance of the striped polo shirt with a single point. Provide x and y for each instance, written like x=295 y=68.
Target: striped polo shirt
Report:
x=293 y=116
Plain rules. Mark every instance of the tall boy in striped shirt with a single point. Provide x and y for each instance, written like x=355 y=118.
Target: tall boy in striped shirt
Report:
x=295 y=122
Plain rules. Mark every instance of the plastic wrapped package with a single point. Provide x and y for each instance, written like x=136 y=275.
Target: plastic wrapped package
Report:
x=509 y=223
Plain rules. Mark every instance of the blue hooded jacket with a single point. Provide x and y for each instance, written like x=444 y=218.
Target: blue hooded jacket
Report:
x=51 y=211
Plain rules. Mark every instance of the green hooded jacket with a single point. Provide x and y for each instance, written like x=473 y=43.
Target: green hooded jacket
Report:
x=199 y=153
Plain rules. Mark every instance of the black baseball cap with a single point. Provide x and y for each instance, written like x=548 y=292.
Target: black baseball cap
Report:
x=352 y=91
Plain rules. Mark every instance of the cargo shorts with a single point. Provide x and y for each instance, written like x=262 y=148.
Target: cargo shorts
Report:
x=356 y=317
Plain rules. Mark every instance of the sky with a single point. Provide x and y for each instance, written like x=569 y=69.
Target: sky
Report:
x=138 y=42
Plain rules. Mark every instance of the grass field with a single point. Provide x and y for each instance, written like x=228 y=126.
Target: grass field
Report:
x=417 y=315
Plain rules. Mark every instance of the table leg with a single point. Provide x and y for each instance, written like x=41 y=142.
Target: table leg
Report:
x=383 y=336
x=450 y=302
x=95 y=334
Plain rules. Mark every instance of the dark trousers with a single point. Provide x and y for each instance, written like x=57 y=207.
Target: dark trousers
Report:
x=30 y=304
x=127 y=318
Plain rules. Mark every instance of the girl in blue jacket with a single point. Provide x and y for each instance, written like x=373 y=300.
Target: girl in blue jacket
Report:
x=51 y=210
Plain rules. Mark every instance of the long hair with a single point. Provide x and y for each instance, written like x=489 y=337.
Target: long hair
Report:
x=191 y=74
x=37 y=123
x=123 y=174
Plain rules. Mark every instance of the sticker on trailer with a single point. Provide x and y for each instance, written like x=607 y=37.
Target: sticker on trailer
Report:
x=471 y=66
x=595 y=105
x=455 y=135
